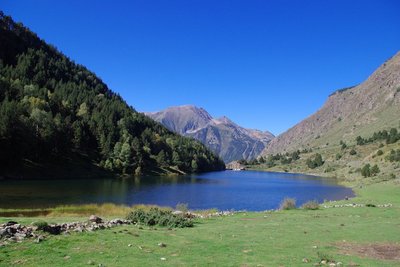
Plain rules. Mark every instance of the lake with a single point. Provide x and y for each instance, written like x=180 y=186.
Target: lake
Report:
x=226 y=190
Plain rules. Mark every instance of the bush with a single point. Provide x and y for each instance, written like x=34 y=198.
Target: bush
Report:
x=315 y=161
x=310 y=205
x=375 y=170
x=353 y=152
x=288 y=204
x=182 y=207
x=41 y=225
x=338 y=156
x=394 y=155
x=379 y=153
x=366 y=170
x=156 y=216
x=344 y=146
x=329 y=169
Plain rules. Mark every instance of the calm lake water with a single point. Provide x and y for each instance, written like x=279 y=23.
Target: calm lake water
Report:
x=238 y=190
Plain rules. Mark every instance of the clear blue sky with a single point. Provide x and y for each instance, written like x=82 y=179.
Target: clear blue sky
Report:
x=264 y=64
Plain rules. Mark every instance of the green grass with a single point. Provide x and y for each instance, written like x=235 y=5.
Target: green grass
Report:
x=281 y=238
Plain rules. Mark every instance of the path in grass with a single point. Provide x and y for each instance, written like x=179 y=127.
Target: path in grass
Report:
x=281 y=238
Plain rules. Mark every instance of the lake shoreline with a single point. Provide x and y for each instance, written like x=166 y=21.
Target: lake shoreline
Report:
x=258 y=191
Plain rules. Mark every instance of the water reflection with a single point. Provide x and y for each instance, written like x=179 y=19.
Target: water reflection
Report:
x=249 y=190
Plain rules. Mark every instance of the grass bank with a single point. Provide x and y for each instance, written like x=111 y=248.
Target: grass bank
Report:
x=359 y=236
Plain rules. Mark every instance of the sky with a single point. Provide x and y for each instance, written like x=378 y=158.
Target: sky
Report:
x=264 y=64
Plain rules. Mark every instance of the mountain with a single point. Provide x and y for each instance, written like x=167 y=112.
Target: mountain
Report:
x=354 y=137
x=361 y=110
x=58 y=120
x=223 y=136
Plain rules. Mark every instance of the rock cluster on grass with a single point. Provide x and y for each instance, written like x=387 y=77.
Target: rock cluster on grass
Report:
x=354 y=205
x=15 y=232
x=207 y=215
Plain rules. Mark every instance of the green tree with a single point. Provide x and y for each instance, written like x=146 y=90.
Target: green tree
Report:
x=366 y=170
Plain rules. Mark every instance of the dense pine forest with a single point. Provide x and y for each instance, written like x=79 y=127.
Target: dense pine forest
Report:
x=54 y=112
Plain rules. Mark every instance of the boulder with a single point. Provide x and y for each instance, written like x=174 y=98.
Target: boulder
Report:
x=3 y=233
x=95 y=219
x=10 y=223
x=52 y=229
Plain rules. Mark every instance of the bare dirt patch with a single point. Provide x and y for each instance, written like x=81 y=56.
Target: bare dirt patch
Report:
x=380 y=251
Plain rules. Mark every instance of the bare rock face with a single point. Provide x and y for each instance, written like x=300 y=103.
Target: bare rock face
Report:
x=227 y=139
x=371 y=106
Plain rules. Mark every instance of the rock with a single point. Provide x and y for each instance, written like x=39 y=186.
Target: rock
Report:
x=332 y=264
x=52 y=229
x=67 y=257
x=78 y=229
x=129 y=245
x=163 y=259
x=10 y=223
x=20 y=236
x=305 y=260
x=90 y=262
x=162 y=245
x=39 y=239
x=323 y=262
x=3 y=233
x=177 y=212
x=95 y=219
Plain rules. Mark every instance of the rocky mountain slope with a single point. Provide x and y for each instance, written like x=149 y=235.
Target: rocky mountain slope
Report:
x=221 y=135
x=371 y=106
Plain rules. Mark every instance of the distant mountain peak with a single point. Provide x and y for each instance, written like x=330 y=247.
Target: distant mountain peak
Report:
x=222 y=135
x=224 y=120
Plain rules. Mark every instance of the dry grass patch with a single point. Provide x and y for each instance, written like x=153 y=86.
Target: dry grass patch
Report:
x=380 y=251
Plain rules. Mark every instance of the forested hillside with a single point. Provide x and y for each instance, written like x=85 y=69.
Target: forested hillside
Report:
x=54 y=111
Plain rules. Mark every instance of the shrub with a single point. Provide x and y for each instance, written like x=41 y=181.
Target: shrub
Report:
x=375 y=170
x=315 y=161
x=288 y=204
x=379 y=153
x=344 y=146
x=325 y=257
x=329 y=169
x=182 y=207
x=41 y=225
x=338 y=156
x=360 y=141
x=156 y=216
x=394 y=155
x=366 y=170
x=310 y=205
x=353 y=152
